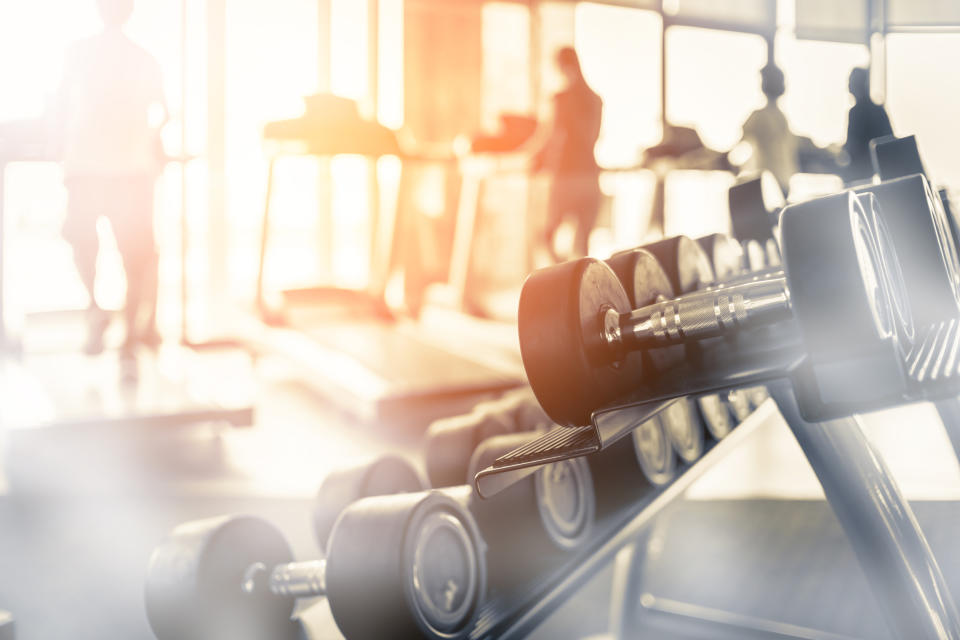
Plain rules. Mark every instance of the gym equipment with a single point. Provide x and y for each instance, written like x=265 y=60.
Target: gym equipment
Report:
x=385 y=475
x=928 y=250
x=717 y=415
x=687 y=266
x=684 y=427
x=387 y=370
x=755 y=204
x=399 y=566
x=531 y=526
x=725 y=255
x=450 y=442
x=622 y=471
x=579 y=343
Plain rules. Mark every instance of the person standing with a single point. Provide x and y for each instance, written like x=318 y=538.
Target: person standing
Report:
x=108 y=113
x=568 y=154
x=866 y=120
x=775 y=147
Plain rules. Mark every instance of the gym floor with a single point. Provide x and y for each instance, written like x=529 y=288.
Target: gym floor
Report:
x=74 y=548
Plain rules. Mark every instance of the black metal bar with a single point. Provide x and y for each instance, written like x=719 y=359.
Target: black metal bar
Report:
x=878 y=522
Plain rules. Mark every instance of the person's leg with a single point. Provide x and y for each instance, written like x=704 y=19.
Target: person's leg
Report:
x=588 y=208
x=556 y=206
x=131 y=215
x=80 y=232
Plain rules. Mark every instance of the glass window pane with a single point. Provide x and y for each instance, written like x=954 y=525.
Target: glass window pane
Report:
x=923 y=100
x=713 y=81
x=506 y=62
x=830 y=20
x=755 y=15
x=619 y=52
x=816 y=73
x=923 y=12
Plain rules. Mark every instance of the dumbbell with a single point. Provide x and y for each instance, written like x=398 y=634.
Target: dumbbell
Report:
x=450 y=442
x=582 y=343
x=689 y=267
x=537 y=521
x=921 y=236
x=398 y=566
x=342 y=487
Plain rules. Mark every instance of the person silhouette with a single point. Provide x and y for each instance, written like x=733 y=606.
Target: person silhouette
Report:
x=568 y=153
x=108 y=112
x=775 y=147
x=866 y=120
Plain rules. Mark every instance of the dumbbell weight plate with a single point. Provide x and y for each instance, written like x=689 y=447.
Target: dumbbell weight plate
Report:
x=725 y=254
x=739 y=403
x=561 y=315
x=716 y=415
x=646 y=282
x=892 y=270
x=683 y=425
x=450 y=443
x=755 y=256
x=193 y=588
x=839 y=294
x=683 y=260
x=655 y=452
x=382 y=476
x=406 y=566
x=921 y=236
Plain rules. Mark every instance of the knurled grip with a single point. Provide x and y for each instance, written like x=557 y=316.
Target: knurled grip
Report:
x=299 y=579
x=704 y=314
x=700 y=318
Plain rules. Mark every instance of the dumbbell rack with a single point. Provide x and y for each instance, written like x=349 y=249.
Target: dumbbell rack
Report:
x=514 y=615
x=877 y=520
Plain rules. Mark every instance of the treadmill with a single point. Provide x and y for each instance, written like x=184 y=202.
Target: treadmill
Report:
x=380 y=365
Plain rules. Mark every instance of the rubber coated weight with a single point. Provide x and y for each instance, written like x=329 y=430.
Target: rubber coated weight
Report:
x=685 y=263
x=739 y=403
x=340 y=488
x=892 y=271
x=716 y=415
x=922 y=239
x=684 y=426
x=561 y=322
x=193 y=588
x=725 y=254
x=754 y=203
x=645 y=282
x=839 y=295
x=654 y=451
x=642 y=276
x=406 y=566
x=622 y=470
x=450 y=442
x=534 y=523
x=755 y=256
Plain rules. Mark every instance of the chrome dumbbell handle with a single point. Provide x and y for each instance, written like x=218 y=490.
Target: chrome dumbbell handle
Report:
x=292 y=580
x=704 y=314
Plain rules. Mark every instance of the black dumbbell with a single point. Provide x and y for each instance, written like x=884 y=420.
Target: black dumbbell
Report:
x=725 y=255
x=537 y=521
x=342 y=487
x=921 y=236
x=450 y=442
x=582 y=343
x=622 y=470
x=398 y=566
